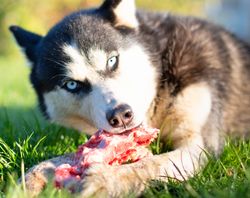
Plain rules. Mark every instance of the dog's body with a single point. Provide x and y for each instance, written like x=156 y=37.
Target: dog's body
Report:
x=113 y=68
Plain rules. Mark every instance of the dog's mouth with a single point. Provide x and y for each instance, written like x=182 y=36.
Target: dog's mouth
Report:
x=125 y=129
x=133 y=128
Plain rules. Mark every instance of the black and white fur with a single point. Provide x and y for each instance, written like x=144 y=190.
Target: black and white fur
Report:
x=114 y=68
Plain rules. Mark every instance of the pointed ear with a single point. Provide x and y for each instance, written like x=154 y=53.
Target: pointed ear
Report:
x=124 y=12
x=26 y=40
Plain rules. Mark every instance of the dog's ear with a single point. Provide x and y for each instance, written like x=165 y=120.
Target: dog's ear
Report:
x=123 y=12
x=28 y=41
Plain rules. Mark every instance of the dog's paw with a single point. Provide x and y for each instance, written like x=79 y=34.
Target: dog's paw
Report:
x=111 y=181
x=37 y=178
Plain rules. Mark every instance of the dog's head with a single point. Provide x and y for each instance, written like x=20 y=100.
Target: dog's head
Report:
x=90 y=71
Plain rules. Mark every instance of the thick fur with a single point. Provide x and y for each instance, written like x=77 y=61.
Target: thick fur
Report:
x=181 y=74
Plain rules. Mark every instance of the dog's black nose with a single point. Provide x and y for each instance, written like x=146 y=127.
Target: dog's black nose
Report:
x=121 y=116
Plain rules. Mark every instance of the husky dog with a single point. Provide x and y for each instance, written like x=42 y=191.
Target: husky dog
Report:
x=115 y=68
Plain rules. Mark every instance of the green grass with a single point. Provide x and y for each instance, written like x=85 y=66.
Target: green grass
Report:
x=26 y=137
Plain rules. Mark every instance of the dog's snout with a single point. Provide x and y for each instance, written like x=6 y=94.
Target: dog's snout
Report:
x=121 y=116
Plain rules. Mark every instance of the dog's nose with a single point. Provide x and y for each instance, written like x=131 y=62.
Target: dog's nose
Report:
x=121 y=116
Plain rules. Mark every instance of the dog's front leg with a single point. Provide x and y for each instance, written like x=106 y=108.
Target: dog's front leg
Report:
x=193 y=108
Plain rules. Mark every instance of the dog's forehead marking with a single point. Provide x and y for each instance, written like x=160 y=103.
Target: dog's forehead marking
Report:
x=98 y=58
x=81 y=66
x=77 y=67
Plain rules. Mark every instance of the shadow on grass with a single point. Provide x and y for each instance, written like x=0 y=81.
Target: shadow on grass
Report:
x=33 y=139
x=17 y=114
x=26 y=137
x=17 y=123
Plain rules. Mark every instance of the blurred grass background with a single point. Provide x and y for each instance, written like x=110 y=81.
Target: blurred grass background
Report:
x=39 y=16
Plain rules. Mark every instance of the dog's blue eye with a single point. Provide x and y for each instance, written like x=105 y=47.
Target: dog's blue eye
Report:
x=112 y=63
x=71 y=85
x=77 y=86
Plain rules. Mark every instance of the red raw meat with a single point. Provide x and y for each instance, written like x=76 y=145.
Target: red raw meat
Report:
x=107 y=148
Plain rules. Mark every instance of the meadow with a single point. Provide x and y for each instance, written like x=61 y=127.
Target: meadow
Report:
x=27 y=139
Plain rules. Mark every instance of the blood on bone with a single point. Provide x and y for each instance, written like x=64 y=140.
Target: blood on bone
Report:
x=107 y=148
